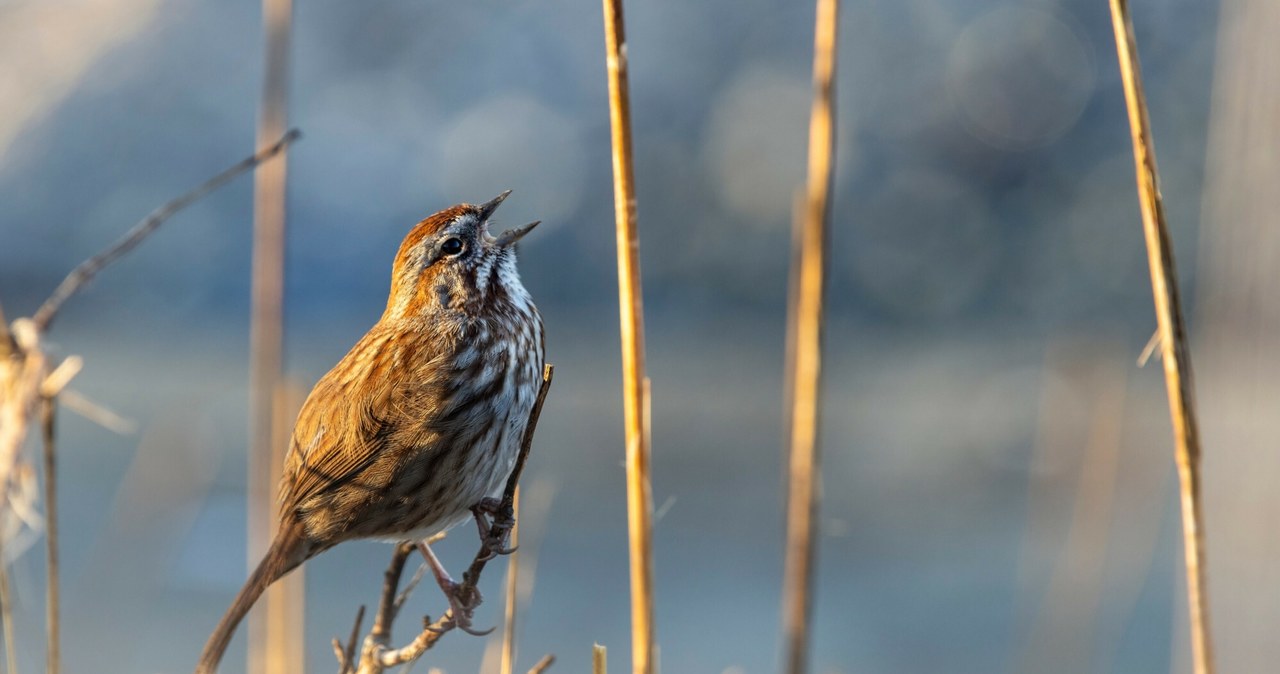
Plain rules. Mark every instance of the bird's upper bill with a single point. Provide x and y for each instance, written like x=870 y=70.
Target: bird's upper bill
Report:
x=506 y=238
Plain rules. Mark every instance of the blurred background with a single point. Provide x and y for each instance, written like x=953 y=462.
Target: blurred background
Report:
x=998 y=485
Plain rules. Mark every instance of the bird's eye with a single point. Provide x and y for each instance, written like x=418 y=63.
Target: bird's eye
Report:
x=451 y=246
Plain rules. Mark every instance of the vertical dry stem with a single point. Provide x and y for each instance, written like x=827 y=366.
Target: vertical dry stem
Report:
x=599 y=659
x=806 y=359
x=6 y=619
x=513 y=575
x=1176 y=356
x=275 y=633
x=634 y=382
x=53 y=657
x=543 y=665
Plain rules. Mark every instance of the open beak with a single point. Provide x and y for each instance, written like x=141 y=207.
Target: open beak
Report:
x=511 y=236
x=488 y=207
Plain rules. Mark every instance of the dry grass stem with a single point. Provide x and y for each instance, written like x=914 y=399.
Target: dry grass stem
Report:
x=22 y=379
x=377 y=654
x=631 y=310
x=53 y=623
x=85 y=272
x=805 y=366
x=276 y=630
x=543 y=665
x=513 y=578
x=108 y=419
x=7 y=345
x=599 y=659
x=6 y=619
x=1173 y=338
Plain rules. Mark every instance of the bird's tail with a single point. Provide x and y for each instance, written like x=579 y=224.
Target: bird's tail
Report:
x=283 y=557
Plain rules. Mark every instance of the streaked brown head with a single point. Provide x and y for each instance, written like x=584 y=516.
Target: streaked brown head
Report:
x=450 y=262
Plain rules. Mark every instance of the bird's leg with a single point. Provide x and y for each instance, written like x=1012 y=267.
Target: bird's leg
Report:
x=463 y=599
x=493 y=534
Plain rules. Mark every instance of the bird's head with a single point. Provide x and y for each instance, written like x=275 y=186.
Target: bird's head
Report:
x=450 y=262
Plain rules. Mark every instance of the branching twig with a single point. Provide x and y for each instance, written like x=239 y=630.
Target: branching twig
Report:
x=28 y=380
x=90 y=268
x=377 y=654
x=806 y=358
x=635 y=385
x=1175 y=354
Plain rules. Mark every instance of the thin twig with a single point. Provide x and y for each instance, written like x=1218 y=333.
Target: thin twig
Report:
x=53 y=663
x=388 y=607
x=513 y=578
x=1173 y=338
x=346 y=654
x=526 y=443
x=1149 y=349
x=631 y=311
x=108 y=419
x=806 y=367
x=544 y=664
x=86 y=270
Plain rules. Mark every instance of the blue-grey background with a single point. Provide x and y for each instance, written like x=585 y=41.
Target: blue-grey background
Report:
x=998 y=484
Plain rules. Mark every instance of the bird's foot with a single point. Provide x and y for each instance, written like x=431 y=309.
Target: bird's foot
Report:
x=494 y=533
x=463 y=598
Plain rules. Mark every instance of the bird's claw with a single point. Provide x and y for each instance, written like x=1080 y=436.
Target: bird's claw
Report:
x=462 y=604
x=493 y=534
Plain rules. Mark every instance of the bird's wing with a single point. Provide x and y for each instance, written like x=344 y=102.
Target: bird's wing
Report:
x=383 y=393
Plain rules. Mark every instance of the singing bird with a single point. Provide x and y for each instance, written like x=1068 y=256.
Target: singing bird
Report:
x=421 y=422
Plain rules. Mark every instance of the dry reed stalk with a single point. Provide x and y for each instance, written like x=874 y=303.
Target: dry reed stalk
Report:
x=599 y=659
x=1175 y=353
x=635 y=385
x=6 y=619
x=53 y=621
x=544 y=664
x=513 y=577
x=276 y=631
x=805 y=366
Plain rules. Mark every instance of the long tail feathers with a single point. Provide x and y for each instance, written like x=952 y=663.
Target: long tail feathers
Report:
x=282 y=558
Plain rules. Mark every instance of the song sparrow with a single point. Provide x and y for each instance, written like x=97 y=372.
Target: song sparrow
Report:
x=422 y=419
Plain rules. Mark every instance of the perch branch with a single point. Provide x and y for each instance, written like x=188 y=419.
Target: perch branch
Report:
x=377 y=655
x=1175 y=354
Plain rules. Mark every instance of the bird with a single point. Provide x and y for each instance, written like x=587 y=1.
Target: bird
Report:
x=419 y=424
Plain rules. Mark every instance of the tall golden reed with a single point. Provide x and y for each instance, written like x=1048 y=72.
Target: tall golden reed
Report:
x=1173 y=337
